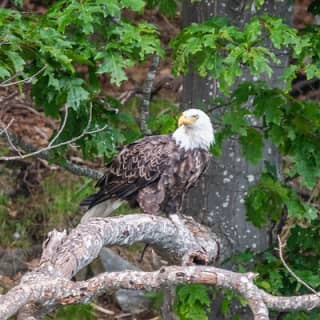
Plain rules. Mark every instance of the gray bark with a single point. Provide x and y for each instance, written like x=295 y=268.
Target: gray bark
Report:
x=133 y=301
x=221 y=193
x=180 y=240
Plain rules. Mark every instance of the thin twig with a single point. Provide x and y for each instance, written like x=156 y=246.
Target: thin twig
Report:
x=84 y=133
x=281 y=246
x=123 y=315
x=62 y=126
x=68 y=165
x=5 y=131
x=7 y=127
x=220 y=105
x=313 y=193
x=147 y=88
x=10 y=96
x=102 y=310
x=5 y=83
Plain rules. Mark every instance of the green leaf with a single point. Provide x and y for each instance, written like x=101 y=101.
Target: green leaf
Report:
x=243 y=92
x=265 y=285
x=252 y=31
x=114 y=64
x=252 y=145
x=136 y=5
x=268 y=105
x=4 y=73
x=192 y=302
x=277 y=135
x=76 y=95
x=16 y=59
x=168 y=7
x=237 y=121
x=265 y=200
x=289 y=74
x=312 y=71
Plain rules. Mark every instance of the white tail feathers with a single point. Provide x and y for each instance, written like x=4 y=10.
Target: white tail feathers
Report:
x=102 y=210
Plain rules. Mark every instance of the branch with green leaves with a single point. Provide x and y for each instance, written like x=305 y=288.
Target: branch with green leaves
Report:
x=64 y=53
x=218 y=49
x=293 y=127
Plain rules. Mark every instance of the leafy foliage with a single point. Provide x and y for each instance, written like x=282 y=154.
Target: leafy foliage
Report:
x=193 y=302
x=220 y=50
x=83 y=312
x=267 y=199
x=274 y=277
x=291 y=125
x=168 y=7
x=51 y=50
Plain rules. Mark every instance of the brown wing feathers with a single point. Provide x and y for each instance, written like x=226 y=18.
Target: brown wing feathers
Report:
x=153 y=173
x=136 y=166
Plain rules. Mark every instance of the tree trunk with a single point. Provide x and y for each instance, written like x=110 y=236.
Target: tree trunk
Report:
x=221 y=192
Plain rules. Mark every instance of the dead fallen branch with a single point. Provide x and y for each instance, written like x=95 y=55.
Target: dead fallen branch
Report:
x=180 y=240
x=64 y=255
x=62 y=291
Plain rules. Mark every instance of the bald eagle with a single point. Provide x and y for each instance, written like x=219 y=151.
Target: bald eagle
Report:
x=155 y=172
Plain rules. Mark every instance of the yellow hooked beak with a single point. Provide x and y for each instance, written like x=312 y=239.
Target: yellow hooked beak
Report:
x=185 y=120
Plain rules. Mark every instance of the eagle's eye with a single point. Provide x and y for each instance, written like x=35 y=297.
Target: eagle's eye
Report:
x=195 y=116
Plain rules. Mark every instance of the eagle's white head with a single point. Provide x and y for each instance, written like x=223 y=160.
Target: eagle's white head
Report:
x=195 y=130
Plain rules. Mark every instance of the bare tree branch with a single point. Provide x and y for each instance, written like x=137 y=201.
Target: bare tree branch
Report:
x=61 y=127
x=64 y=255
x=85 y=132
x=281 y=246
x=63 y=291
x=147 y=88
x=68 y=165
x=7 y=82
x=8 y=97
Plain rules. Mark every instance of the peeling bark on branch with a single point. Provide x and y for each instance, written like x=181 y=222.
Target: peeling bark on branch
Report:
x=180 y=239
x=63 y=291
x=64 y=255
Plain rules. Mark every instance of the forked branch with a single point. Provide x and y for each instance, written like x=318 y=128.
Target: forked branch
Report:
x=179 y=239
x=52 y=146
x=64 y=255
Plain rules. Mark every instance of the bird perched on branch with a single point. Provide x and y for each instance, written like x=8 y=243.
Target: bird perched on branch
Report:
x=155 y=172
